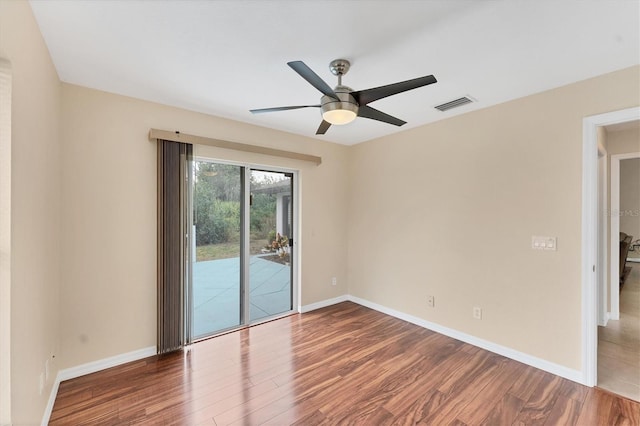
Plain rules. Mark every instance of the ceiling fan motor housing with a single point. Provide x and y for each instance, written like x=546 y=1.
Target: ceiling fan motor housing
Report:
x=346 y=102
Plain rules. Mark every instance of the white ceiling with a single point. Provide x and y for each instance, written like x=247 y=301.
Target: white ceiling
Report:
x=226 y=57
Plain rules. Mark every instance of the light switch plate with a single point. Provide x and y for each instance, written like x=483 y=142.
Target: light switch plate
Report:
x=544 y=243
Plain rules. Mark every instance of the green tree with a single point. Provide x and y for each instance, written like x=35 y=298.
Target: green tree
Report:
x=216 y=199
x=263 y=215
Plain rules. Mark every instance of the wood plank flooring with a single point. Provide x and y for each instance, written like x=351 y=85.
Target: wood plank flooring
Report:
x=619 y=343
x=344 y=364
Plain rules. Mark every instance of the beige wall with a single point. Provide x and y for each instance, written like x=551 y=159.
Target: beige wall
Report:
x=5 y=241
x=449 y=209
x=35 y=210
x=109 y=215
x=623 y=141
x=630 y=197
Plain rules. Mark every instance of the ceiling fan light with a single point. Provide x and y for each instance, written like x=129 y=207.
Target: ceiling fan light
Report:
x=339 y=116
x=339 y=111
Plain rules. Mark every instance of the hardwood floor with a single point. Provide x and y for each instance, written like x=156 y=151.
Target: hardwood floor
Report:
x=619 y=343
x=344 y=364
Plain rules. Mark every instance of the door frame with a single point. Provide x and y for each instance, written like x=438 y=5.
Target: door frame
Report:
x=589 y=235
x=296 y=248
x=603 y=237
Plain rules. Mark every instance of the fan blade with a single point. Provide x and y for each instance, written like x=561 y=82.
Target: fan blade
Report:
x=372 y=113
x=324 y=126
x=284 y=108
x=369 y=95
x=313 y=78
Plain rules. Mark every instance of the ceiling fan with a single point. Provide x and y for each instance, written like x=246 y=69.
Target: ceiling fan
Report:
x=342 y=104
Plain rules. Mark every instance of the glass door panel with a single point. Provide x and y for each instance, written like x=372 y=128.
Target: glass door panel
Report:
x=270 y=256
x=240 y=267
x=215 y=284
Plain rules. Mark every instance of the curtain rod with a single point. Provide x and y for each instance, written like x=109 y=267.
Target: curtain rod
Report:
x=176 y=136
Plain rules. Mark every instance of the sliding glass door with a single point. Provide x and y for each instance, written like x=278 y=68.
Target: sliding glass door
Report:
x=242 y=234
x=271 y=226
x=215 y=286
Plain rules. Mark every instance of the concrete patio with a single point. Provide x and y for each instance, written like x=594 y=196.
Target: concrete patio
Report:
x=216 y=292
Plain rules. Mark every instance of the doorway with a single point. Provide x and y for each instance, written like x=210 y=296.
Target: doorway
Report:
x=241 y=247
x=618 y=214
x=590 y=293
x=619 y=338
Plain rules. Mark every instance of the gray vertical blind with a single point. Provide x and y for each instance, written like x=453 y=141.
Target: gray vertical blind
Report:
x=174 y=160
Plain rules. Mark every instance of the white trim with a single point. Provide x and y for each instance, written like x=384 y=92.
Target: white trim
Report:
x=589 y=238
x=92 y=367
x=603 y=238
x=323 y=303
x=615 y=230
x=103 y=364
x=52 y=400
x=589 y=241
x=558 y=370
x=614 y=209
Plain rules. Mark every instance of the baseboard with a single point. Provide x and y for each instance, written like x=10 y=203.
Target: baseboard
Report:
x=550 y=367
x=323 y=303
x=558 y=370
x=92 y=367
x=52 y=400
x=103 y=364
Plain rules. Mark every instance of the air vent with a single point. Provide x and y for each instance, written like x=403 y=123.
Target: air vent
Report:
x=454 y=104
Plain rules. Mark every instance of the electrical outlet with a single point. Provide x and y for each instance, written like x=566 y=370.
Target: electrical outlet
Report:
x=334 y=281
x=431 y=301
x=477 y=312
